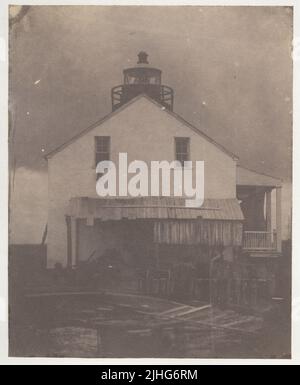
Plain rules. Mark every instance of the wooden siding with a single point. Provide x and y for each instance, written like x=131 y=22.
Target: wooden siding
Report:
x=204 y=232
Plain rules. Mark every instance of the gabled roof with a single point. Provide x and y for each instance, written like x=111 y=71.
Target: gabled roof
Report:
x=123 y=107
x=247 y=177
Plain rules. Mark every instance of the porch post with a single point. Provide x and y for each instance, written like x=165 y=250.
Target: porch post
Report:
x=69 y=242
x=278 y=218
x=269 y=217
x=73 y=241
x=157 y=255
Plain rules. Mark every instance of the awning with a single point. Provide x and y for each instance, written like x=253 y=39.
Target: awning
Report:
x=153 y=208
x=246 y=177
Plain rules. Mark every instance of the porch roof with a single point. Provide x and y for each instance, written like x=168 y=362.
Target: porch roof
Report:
x=247 y=177
x=152 y=208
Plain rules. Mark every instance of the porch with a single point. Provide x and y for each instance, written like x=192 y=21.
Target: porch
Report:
x=260 y=199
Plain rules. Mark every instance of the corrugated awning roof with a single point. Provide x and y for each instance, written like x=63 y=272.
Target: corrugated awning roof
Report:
x=152 y=208
x=246 y=177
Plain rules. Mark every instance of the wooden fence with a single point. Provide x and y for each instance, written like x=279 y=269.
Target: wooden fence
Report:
x=234 y=291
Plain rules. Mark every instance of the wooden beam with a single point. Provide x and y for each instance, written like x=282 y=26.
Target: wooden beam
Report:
x=157 y=206
x=278 y=218
x=69 y=242
x=268 y=211
x=74 y=241
x=269 y=217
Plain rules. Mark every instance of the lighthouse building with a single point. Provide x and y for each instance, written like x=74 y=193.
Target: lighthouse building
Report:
x=157 y=232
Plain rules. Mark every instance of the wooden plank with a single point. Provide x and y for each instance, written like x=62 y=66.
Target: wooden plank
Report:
x=193 y=310
x=174 y=310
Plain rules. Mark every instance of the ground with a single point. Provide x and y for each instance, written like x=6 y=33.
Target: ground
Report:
x=98 y=324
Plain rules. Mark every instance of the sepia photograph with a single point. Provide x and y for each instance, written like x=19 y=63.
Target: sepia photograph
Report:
x=150 y=181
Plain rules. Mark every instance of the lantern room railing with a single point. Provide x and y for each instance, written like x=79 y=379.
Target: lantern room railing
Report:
x=167 y=96
x=121 y=94
x=116 y=96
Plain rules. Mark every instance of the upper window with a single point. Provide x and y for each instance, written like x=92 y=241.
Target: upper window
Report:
x=102 y=148
x=182 y=149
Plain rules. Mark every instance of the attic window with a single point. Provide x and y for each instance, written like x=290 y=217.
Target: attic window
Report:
x=102 y=148
x=182 y=149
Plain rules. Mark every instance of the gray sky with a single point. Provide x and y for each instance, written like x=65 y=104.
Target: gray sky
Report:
x=230 y=67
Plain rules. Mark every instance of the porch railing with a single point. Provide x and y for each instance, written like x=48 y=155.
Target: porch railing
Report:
x=259 y=240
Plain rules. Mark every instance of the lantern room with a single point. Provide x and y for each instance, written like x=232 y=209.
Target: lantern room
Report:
x=142 y=79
